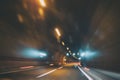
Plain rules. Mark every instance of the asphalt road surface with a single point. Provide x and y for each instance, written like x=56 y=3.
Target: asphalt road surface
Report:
x=68 y=72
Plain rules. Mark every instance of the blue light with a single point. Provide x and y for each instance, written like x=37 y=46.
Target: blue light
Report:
x=33 y=53
x=88 y=54
x=42 y=54
x=78 y=53
x=83 y=54
x=67 y=54
x=79 y=58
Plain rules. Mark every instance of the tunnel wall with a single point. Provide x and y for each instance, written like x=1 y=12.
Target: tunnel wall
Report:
x=104 y=36
x=11 y=64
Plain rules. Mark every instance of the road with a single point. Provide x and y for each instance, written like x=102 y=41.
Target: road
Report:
x=68 y=72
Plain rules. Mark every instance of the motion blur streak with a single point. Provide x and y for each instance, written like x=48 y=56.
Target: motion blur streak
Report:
x=60 y=67
x=40 y=33
x=89 y=78
x=26 y=67
x=94 y=75
x=87 y=69
x=112 y=74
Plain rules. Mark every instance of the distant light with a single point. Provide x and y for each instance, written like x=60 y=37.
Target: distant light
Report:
x=63 y=43
x=42 y=54
x=73 y=54
x=20 y=18
x=69 y=51
x=88 y=54
x=51 y=64
x=79 y=58
x=78 y=53
x=42 y=2
x=83 y=54
x=41 y=12
x=64 y=59
x=33 y=53
x=67 y=54
x=58 y=32
x=67 y=48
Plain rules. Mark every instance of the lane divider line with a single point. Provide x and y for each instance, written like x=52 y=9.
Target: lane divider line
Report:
x=60 y=67
x=48 y=72
x=89 y=78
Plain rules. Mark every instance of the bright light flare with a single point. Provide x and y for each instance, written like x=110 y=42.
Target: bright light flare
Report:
x=83 y=54
x=88 y=54
x=33 y=53
x=42 y=54
x=42 y=3
x=58 y=32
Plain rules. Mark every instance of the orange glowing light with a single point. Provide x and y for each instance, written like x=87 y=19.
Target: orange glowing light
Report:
x=41 y=12
x=42 y=3
x=20 y=18
x=58 y=32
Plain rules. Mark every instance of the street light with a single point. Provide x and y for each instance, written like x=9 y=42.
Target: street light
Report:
x=73 y=54
x=42 y=3
x=67 y=48
x=63 y=43
x=83 y=54
x=69 y=51
x=58 y=32
x=41 y=12
x=79 y=58
x=67 y=54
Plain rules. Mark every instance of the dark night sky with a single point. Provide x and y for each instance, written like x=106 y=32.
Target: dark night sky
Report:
x=82 y=22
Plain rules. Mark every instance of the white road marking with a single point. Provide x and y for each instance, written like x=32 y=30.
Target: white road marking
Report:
x=48 y=72
x=89 y=78
x=60 y=67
